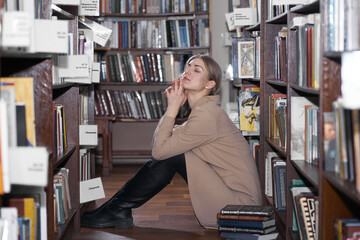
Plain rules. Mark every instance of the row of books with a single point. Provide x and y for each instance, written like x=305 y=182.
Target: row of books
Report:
x=305 y=209
x=308 y=46
x=274 y=9
x=132 y=104
x=84 y=164
x=128 y=68
x=18 y=96
x=312 y=133
x=342 y=19
x=62 y=197
x=299 y=125
x=347 y=229
x=341 y=142
x=140 y=68
x=165 y=33
x=153 y=6
x=23 y=217
x=249 y=110
x=281 y=55
x=246 y=56
x=277 y=117
x=247 y=222
x=275 y=179
x=60 y=139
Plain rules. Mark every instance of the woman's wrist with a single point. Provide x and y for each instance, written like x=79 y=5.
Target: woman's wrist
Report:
x=171 y=113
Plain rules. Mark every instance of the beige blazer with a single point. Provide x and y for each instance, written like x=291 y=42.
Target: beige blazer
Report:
x=220 y=167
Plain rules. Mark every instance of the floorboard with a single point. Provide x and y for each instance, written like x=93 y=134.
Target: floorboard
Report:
x=168 y=215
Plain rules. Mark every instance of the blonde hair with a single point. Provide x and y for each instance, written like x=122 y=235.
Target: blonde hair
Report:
x=213 y=69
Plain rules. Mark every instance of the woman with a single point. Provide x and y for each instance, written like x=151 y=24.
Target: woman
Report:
x=208 y=151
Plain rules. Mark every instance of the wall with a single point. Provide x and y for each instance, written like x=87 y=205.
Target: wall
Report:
x=220 y=52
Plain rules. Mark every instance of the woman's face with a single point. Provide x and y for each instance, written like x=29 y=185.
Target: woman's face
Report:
x=195 y=76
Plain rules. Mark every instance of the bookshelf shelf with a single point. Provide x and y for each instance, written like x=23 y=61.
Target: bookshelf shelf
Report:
x=64 y=228
x=255 y=27
x=161 y=50
x=275 y=144
x=310 y=172
x=60 y=160
x=313 y=7
x=21 y=54
x=336 y=56
x=62 y=85
x=148 y=15
x=133 y=84
x=277 y=83
x=304 y=90
x=345 y=187
x=279 y=19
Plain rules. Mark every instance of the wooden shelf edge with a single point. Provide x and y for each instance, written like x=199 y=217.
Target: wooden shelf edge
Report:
x=134 y=83
x=313 y=7
x=150 y=15
x=62 y=228
x=169 y=49
x=346 y=187
x=277 y=83
x=305 y=90
x=310 y=172
x=61 y=159
x=279 y=19
x=275 y=144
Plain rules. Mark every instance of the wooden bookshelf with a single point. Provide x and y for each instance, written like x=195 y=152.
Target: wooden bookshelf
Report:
x=39 y=66
x=338 y=198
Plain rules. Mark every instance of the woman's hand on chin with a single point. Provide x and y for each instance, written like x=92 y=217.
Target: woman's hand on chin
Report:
x=176 y=97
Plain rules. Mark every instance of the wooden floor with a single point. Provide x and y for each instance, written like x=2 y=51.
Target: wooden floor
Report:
x=168 y=215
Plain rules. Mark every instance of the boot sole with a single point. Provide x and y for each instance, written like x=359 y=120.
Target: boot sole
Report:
x=120 y=224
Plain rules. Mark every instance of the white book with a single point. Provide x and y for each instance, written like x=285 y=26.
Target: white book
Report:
x=9 y=215
x=8 y=95
x=298 y=126
x=4 y=145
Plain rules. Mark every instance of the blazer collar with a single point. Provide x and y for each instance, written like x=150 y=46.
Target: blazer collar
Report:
x=211 y=98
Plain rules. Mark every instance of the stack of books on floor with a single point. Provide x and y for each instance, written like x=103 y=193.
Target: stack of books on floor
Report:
x=247 y=222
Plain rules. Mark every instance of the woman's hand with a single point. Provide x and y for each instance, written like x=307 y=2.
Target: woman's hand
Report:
x=176 y=97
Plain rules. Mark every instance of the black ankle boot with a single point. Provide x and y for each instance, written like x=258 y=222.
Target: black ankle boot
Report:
x=116 y=212
x=109 y=214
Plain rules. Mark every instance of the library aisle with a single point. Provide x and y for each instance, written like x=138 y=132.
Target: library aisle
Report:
x=169 y=215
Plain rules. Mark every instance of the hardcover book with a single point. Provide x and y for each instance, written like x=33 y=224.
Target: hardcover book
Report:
x=247 y=230
x=249 y=236
x=256 y=210
x=242 y=217
x=247 y=224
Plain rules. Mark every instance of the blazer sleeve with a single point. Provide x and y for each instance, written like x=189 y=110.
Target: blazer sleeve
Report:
x=198 y=130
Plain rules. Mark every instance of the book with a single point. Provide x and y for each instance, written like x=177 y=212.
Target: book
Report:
x=247 y=230
x=256 y=210
x=248 y=236
x=298 y=126
x=26 y=208
x=249 y=111
x=246 y=224
x=10 y=216
x=329 y=141
x=24 y=93
x=242 y=217
x=8 y=95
